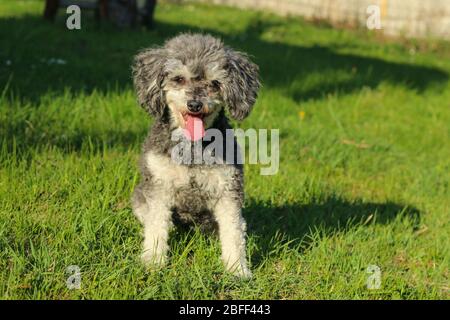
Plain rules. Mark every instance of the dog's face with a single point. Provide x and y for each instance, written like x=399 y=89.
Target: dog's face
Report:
x=193 y=93
x=192 y=78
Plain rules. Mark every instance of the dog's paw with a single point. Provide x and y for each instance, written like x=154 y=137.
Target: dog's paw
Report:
x=153 y=261
x=242 y=272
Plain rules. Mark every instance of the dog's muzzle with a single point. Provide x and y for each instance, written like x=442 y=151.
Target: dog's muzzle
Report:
x=194 y=106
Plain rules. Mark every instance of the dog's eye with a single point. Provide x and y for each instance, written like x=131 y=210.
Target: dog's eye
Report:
x=215 y=85
x=179 y=80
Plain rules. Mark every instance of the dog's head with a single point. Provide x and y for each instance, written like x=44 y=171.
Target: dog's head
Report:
x=193 y=77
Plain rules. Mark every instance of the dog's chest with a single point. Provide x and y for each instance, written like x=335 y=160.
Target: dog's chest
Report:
x=190 y=187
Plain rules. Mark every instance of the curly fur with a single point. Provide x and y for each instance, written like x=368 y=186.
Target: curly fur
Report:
x=208 y=195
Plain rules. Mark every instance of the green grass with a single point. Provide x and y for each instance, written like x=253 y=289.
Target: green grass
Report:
x=363 y=180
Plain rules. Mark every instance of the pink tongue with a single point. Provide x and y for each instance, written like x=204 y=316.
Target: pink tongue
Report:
x=194 y=128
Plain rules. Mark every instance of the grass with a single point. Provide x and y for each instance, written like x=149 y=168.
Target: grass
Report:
x=364 y=164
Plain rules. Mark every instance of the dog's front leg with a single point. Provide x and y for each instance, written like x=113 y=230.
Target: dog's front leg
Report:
x=232 y=229
x=155 y=214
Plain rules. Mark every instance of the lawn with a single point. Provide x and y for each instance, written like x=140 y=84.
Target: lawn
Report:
x=364 y=174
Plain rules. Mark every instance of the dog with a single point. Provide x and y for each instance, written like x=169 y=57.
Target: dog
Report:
x=188 y=86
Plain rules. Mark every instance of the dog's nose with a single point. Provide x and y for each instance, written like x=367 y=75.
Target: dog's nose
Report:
x=194 y=105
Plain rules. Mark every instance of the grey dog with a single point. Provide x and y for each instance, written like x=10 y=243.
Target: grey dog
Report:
x=189 y=85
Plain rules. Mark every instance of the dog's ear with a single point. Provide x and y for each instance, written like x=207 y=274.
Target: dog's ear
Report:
x=241 y=89
x=148 y=77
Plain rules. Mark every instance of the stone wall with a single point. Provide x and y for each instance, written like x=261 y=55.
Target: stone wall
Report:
x=410 y=18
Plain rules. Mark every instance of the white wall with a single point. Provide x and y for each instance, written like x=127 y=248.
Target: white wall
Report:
x=411 y=18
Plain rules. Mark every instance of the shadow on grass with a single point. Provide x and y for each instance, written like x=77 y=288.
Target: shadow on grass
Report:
x=300 y=226
x=98 y=57
x=297 y=224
